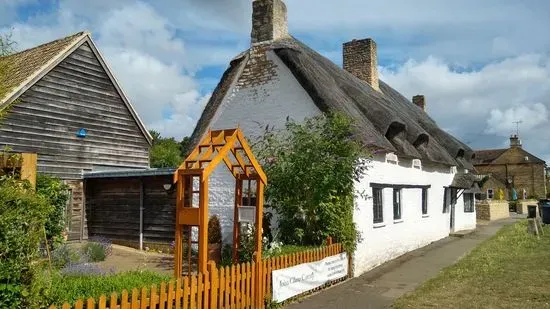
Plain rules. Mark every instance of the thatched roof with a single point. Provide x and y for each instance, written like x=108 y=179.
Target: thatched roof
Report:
x=463 y=180
x=384 y=120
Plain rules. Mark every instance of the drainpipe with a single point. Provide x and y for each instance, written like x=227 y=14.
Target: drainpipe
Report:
x=141 y=214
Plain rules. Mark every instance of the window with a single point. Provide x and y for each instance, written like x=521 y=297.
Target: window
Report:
x=424 y=201
x=469 y=205
x=377 y=208
x=396 y=204
x=446 y=199
x=490 y=194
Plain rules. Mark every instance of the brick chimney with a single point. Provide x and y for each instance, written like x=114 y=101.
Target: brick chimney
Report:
x=269 y=20
x=420 y=101
x=515 y=141
x=360 y=60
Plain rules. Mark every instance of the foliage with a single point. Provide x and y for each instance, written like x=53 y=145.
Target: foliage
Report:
x=166 y=152
x=64 y=255
x=71 y=288
x=227 y=256
x=214 y=231
x=509 y=270
x=97 y=249
x=312 y=167
x=57 y=194
x=23 y=215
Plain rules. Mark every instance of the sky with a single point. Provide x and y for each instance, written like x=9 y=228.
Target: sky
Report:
x=482 y=65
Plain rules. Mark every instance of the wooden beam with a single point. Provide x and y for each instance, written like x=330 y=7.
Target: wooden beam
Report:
x=220 y=156
x=241 y=162
x=178 y=252
x=238 y=202
x=258 y=242
x=251 y=157
x=203 y=226
x=28 y=167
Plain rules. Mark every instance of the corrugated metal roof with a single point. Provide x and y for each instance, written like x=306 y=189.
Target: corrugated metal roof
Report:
x=131 y=173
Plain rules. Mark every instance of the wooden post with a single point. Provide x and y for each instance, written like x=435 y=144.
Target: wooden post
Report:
x=329 y=241
x=28 y=167
x=236 y=225
x=178 y=254
x=258 y=243
x=203 y=224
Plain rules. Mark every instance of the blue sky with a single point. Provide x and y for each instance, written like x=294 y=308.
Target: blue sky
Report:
x=480 y=64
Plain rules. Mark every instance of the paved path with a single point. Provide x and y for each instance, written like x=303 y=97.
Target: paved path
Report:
x=379 y=287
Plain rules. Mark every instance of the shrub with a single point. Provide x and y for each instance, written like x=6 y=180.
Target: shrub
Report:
x=22 y=217
x=84 y=269
x=312 y=168
x=57 y=194
x=65 y=255
x=98 y=248
x=214 y=231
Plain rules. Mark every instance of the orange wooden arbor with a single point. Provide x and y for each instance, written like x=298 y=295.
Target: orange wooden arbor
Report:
x=231 y=148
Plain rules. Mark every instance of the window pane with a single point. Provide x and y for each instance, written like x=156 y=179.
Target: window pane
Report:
x=424 y=201
x=396 y=204
x=377 y=205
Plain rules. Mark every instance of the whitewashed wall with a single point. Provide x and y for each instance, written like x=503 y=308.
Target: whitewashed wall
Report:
x=271 y=103
x=383 y=242
x=252 y=109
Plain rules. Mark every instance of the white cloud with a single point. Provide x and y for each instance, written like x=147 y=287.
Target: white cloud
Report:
x=502 y=122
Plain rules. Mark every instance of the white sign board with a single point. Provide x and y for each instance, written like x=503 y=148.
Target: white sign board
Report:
x=247 y=214
x=301 y=278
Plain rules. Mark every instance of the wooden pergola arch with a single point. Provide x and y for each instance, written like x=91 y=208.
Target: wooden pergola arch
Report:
x=231 y=148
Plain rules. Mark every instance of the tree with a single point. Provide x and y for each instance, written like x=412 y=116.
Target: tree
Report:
x=7 y=47
x=166 y=152
x=311 y=169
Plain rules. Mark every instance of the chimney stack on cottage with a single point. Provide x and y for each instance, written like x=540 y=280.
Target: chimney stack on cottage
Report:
x=360 y=60
x=420 y=101
x=269 y=21
x=515 y=141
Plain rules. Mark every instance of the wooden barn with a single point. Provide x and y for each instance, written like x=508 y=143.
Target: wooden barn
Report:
x=61 y=101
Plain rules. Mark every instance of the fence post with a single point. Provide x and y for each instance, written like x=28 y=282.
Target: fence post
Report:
x=213 y=271
x=329 y=241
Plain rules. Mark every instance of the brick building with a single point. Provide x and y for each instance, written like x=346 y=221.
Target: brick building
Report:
x=513 y=167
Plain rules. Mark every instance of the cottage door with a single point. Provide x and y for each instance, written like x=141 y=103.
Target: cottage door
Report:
x=454 y=197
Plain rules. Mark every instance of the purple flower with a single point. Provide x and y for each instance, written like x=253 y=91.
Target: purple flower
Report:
x=85 y=269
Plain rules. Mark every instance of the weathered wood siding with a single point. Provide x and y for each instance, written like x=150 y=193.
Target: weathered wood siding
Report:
x=112 y=209
x=76 y=94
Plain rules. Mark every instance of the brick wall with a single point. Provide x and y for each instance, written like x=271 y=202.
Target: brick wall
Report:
x=528 y=176
x=269 y=20
x=360 y=60
x=492 y=210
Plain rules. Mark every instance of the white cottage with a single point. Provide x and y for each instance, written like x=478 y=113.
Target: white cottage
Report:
x=419 y=179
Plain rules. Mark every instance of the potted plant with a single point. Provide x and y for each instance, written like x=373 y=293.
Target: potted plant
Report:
x=214 y=240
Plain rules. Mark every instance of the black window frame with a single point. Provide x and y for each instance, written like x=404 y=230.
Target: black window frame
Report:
x=377 y=205
x=492 y=193
x=446 y=199
x=397 y=204
x=469 y=204
x=424 y=201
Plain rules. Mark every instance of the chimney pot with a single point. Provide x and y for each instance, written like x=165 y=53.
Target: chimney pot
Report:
x=360 y=59
x=515 y=141
x=420 y=101
x=269 y=20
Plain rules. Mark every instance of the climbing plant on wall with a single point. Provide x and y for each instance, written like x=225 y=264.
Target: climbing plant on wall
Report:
x=312 y=167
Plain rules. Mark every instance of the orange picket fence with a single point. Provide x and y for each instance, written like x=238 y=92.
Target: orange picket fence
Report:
x=219 y=288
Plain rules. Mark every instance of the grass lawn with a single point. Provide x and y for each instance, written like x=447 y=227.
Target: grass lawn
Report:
x=71 y=288
x=509 y=270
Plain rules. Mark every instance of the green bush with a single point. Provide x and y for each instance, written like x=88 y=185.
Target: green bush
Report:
x=57 y=194
x=95 y=252
x=71 y=288
x=64 y=255
x=311 y=169
x=214 y=231
x=23 y=215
